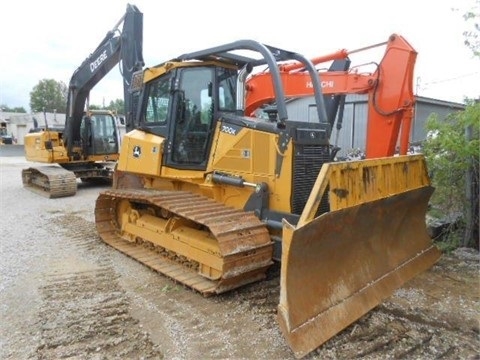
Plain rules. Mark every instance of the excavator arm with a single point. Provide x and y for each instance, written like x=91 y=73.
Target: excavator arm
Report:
x=389 y=87
x=122 y=46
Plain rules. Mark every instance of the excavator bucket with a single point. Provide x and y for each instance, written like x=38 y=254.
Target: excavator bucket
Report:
x=338 y=266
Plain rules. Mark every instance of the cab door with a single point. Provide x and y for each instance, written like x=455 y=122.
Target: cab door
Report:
x=192 y=119
x=100 y=135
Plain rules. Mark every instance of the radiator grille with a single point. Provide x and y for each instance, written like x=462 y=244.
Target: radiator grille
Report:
x=307 y=161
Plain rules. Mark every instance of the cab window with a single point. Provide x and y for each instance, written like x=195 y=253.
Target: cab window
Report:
x=227 y=89
x=158 y=101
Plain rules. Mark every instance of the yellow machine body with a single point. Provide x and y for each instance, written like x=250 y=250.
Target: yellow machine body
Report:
x=91 y=160
x=213 y=206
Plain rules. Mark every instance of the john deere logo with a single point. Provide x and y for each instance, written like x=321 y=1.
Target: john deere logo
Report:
x=137 y=151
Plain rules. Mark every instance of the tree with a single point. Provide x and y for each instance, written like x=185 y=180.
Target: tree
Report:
x=452 y=152
x=117 y=106
x=17 y=109
x=453 y=155
x=472 y=41
x=472 y=36
x=49 y=95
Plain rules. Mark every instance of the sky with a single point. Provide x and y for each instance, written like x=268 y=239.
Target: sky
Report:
x=49 y=39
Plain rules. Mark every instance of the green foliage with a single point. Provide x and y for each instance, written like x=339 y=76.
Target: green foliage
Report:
x=17 y=109
x=450 y=155
x=452 y=241
x=168 y=288
x=117 y=106
x=49 y=95
x=472 y=36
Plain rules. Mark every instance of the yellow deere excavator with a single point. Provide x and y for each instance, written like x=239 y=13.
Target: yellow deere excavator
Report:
x=93 y=160
x=88 y=146
x=211 y=197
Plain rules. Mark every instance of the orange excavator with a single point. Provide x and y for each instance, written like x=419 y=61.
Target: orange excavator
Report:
x=211 y=196
x=389 y=88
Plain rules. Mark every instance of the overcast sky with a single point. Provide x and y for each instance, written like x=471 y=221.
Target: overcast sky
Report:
x=49 y=39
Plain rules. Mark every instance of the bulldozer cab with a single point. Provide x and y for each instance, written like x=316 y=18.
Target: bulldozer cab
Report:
x=99 y=134
x=187 y=118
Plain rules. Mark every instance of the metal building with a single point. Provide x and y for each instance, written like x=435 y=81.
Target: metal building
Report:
x=19 y=124
x=352 y=136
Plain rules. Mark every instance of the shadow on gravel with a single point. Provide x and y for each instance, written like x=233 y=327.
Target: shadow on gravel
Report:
x=11 y=150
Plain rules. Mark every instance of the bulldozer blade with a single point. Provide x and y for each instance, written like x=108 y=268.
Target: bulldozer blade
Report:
x=342 y=264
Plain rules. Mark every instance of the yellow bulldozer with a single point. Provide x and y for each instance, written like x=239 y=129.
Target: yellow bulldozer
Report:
x=211 y=195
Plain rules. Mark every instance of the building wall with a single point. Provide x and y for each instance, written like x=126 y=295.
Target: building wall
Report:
x=425 y=107
x=19 y=124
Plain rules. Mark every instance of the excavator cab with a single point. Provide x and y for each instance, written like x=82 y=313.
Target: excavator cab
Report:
x=99 y=133
x=211 y=196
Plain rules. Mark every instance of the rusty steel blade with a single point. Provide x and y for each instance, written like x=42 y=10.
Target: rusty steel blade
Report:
x=342 y=264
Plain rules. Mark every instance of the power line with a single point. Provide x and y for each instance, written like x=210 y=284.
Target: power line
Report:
x=450 y=79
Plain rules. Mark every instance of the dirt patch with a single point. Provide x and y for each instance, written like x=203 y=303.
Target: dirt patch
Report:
x=434 y=316
x=65 y=294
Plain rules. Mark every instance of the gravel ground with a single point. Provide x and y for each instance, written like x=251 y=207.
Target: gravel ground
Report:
x=66 y=295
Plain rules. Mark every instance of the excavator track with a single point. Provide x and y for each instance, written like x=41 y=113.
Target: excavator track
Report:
x=190 y=238
x=50 y=181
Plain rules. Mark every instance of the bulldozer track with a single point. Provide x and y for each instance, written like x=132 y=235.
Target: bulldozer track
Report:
x=244 y=245
x=50 y=181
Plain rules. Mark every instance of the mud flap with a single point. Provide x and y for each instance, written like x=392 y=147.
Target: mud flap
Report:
x=338 y=266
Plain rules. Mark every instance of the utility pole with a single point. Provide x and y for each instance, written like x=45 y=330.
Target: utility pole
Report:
x=417 y=86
